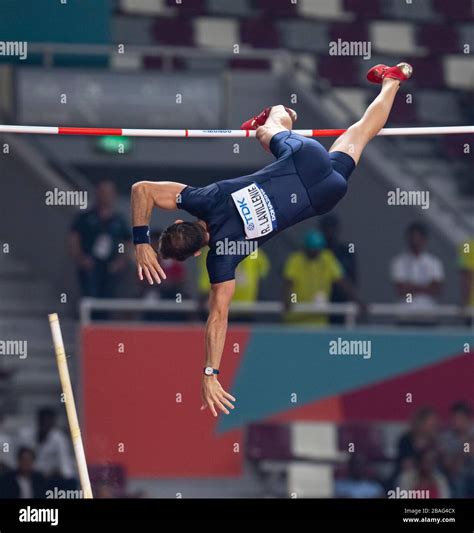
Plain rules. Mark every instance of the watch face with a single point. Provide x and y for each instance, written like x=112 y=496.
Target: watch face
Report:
x=209 y=371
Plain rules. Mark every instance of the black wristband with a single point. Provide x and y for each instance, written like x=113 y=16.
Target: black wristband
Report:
x=141 y=235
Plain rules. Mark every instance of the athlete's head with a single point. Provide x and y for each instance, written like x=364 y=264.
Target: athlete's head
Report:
x=182 y=240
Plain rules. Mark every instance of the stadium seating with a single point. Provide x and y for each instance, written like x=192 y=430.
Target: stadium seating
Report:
x=434 y=35
x=301 y=27
x=311 y=455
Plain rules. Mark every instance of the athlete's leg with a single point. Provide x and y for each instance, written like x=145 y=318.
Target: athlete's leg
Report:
x=355 y=139
x=278 y=120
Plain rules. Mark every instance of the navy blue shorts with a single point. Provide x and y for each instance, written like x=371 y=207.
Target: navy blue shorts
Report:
x=324 y=174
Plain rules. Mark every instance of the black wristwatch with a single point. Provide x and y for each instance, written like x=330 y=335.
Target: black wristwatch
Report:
x=209 y=371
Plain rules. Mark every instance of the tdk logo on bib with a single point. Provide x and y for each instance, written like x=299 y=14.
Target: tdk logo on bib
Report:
x=255 y=210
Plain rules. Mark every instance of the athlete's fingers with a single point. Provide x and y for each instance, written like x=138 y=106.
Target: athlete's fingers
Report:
x=160 y=271
x=152 y=269
x=203 y=406
x=148 y=275
x=154 y=273
x=220 y=406
x=211 y=407
x=225 y=401
x=156 y=266
x=140 y=273
x=229 y=396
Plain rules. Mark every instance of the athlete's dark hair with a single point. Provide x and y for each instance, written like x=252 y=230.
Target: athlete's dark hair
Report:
x=180 y=241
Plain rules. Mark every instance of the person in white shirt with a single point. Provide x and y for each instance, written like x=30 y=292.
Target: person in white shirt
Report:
x=416 y=274
x=53 y=455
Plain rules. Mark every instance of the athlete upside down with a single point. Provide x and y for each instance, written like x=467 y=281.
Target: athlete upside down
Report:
x=254 y=208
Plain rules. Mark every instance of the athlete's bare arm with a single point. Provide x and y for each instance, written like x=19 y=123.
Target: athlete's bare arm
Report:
x=145 y=196
x=213 y=395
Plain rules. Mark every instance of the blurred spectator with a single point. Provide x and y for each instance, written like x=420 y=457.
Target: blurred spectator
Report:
x=331 y=229
x=24 y=481
x=249 y=274
x=53 y=457
x=359 y=482
x=424 y=476
x=309 y=276
x=422 y=436
x=95 y=240
x=7 y=461
x=456 y=446
x=416 y=271
x=466 y=267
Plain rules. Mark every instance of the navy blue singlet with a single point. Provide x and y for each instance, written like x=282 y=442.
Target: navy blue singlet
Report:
x=303 y=182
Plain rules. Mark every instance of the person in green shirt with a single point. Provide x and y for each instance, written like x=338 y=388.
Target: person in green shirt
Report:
x=249 y=274
x=309 y=276
x=466 y=269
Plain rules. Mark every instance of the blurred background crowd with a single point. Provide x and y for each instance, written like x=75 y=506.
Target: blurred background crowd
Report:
x=428 y=457
x=319 y=266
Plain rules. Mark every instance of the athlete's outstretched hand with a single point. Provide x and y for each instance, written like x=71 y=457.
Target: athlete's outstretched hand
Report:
x=214 y=396
x=147 y=264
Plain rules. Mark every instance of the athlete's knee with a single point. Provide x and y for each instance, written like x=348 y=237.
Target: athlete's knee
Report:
x=354 y=134
x=353 y=141
x=362 y=131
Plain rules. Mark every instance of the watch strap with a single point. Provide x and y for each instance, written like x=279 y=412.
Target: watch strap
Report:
x=214 y=370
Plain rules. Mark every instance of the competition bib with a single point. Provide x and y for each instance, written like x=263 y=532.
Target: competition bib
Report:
x=255 y=210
